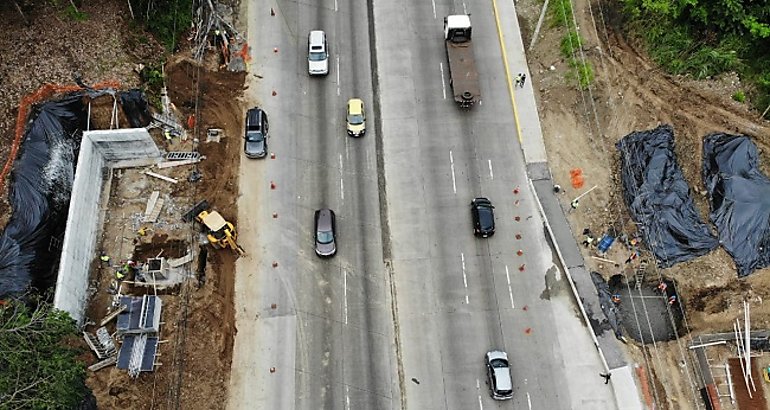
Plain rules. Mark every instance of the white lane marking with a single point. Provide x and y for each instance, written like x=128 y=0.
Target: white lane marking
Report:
x=529 y=401
x=345 y=285
x=510 y=291
x=342 y=189
x=478 y=389
x=338 y=61
x=340 y=163
x=347 y=150
x=465 y=9
x=452 y=167
x=443 y=86
x=434 y=8
x=491 y=174
x=335 y=5
x=465 y=277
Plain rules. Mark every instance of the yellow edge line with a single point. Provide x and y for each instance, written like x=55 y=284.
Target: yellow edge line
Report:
x=507 y=70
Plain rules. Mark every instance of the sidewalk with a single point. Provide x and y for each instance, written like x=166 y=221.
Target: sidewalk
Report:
x=623 y=381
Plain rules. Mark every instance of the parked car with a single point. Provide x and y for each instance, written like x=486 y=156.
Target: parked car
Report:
x=317 y=53
x=325 y=232
x=255 y=138
x=483 y=214
x=499 y=375
x=356 y=118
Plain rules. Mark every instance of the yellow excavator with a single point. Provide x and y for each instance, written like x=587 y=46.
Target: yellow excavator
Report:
x=220 y=233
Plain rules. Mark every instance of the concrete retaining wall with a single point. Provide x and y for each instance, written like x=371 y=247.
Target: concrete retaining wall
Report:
x=98 y=150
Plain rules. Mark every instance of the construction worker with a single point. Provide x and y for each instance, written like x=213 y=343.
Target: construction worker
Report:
x=672 y=299
x=523 y=78
x=574 y=204
x=167 y=133
x=589 y=240
x=142 y=231
x=633 y=256
x=218 y=38
x=120 y=274
x=615 y=299
x=606 y=376
x=556 y=188
x=518 y=80
x=104 y=258
x=662 y=287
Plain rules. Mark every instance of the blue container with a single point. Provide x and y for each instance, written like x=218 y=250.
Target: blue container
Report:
x=605 y=243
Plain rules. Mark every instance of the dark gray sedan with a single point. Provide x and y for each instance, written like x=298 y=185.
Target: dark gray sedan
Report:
x=325 y=232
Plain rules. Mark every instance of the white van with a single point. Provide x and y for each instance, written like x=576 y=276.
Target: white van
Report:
x=317 y=53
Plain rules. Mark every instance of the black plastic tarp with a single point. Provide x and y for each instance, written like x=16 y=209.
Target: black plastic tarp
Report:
x=40 y=185
x=739 y=199
x=608 y=307
x=658 y=197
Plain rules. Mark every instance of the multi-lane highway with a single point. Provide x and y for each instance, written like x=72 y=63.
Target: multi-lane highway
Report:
x=402 y=316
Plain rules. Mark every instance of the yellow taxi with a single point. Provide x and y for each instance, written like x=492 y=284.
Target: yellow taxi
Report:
x=356 y=118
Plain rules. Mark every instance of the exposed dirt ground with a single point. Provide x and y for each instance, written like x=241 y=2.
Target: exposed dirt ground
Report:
x=630 y=93
x=197 y=318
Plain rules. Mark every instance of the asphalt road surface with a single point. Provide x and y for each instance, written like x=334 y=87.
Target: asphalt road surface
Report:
x=458 y=296
x=354 y=332
x=329 y=341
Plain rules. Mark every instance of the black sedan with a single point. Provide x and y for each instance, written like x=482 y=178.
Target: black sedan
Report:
x=483 y=215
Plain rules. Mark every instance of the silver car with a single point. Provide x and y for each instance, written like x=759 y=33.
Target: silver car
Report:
x=325 y=232
x=499 y=375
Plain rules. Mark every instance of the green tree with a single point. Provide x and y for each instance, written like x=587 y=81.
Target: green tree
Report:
x=708 y=37
x=166 y=19
x=38 y=358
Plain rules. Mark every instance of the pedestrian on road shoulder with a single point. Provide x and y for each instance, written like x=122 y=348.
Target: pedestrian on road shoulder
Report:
x=606 y=377
x=518 y=80
x=523 y=79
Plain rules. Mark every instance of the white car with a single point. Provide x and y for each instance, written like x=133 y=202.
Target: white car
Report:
x=317 y=53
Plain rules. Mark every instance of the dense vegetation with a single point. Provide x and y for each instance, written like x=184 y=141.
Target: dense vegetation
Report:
x=38 y=358
x=167 y=20
x=704 y=38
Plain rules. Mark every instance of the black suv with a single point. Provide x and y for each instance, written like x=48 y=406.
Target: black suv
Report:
x=483 y=215
x=255 y=139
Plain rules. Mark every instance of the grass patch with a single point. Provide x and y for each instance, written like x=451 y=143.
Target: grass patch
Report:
x=739 y=96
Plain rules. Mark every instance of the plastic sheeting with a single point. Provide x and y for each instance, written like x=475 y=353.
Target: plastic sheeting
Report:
x=658 y=197
x=739 y=199
x=614 y=320
x=40 y=188
x=135 y=107
x=39 y=192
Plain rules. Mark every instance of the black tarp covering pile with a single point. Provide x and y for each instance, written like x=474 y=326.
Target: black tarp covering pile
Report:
x=739 y=199
x=40 y=185
x=658 y=197
x=39 y=191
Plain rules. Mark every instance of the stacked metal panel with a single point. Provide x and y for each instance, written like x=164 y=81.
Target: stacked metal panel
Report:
x=139 y=324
